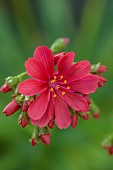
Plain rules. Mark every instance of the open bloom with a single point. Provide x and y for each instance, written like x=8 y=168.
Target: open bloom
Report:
x=60 y=88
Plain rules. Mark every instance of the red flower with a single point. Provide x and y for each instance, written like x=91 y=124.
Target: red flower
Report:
x=11 y=108
x=58 y=88
x=5 y=88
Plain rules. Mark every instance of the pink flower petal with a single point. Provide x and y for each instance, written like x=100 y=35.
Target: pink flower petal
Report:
x=65 y=62
x=39 y=105
x=36 y=69
x=77 y=102
x=62 y=114
x=86 y=85
x=78 y=71
x=44 y=55
x=31 y=87
x=48 y=115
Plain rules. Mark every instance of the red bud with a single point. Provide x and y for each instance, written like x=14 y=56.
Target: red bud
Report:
x=51 y=124
x=11 y=108
x=22 y=121
x=110 y=150
x=85 y=117
x=101 y=82
x=87 y=98
x=66 y=40
x=26 y=105
x=96 y=115
x=5 y=88
x=33 y=142
x=74 y=120
x=58 y=56
x=102 y=69
x=45 y=138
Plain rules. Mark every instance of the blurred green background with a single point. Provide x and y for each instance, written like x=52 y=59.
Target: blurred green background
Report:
x=25 y=24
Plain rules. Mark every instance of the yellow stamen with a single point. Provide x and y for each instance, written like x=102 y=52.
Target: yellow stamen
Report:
x=57 y=87
x=63 y=93
x=51 y=89
x=61 y=77
x=55 y=77
x=68 y=87
x=52 y=81
x=54 y=95
x=65 y=81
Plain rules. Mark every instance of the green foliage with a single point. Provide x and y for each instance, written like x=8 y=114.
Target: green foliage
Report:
x=26 y=24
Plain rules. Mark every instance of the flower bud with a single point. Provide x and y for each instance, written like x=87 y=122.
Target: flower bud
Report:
x=102 y=69
x=94 y=110
x=85 y=116
x=59 y=44
x=35 y=136
x=51 y=124
x=74 y=120
x=26 y=105
x=22 y=120
x=87 y=98
x=33 y=141
x=58 y=56
x=98 y=69
x=5 y=88
x=101 y=81
x=96 y=115
x=108 y=144
x=11 y=108
x=45 y=138
x=110 y=150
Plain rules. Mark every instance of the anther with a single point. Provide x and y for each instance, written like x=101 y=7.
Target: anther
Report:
x=68 y=87
x=63 y=93
x=61 y=77
x=55 y=77
x=52 y=81
x=54 y=95
x=65 y=81
x=51 y=89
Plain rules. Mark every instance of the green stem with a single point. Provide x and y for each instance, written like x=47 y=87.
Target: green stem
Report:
x=22 y=74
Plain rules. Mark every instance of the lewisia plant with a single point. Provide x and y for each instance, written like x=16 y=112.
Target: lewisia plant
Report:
x=57 y=92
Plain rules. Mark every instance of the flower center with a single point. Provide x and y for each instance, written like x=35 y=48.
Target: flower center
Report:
x=56 y=83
